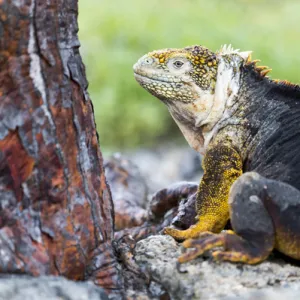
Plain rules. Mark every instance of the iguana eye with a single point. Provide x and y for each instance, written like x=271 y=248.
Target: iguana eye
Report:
x=178 y=64
x=148 y=60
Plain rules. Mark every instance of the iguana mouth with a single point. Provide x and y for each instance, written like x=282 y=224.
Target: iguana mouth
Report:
x=137 y=75
x=166 y=88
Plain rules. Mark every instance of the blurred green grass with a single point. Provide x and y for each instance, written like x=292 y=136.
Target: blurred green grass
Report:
x=114 y=34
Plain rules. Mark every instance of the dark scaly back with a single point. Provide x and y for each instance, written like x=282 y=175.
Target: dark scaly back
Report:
x=272 y=110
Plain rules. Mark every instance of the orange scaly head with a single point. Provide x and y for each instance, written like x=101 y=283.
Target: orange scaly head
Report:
x=196 y=84
x=172 y=73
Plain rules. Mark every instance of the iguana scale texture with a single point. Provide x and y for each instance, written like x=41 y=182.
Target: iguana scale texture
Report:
x=247 y=127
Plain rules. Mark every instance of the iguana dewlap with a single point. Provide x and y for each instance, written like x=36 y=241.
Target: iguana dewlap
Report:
x=247 y=127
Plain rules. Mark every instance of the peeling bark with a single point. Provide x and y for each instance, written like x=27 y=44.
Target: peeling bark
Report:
x=56 y=213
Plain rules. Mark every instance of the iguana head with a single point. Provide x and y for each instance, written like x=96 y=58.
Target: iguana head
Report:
x=195 y=83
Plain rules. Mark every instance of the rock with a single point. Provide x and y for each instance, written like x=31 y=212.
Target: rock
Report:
x=129 y=191
x=270 y=294
x=22 y=287
x=190 y=164
x=206 y=279
x=167 y=164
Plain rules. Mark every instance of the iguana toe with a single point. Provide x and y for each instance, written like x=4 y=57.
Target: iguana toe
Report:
x=206 y=242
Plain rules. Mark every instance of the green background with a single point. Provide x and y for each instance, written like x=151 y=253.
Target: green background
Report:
x=115 y=33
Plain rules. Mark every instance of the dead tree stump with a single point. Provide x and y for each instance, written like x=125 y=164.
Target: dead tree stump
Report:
x=56 y=212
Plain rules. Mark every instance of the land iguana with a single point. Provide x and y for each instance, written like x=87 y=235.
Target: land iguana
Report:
x=247 y=127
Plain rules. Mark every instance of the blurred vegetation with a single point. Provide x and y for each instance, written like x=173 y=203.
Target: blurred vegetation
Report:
x=115 y=33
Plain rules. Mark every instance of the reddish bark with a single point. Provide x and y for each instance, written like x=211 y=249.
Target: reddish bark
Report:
x=56 y=214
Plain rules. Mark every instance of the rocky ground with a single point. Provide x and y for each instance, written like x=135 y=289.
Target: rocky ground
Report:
x=21 y=287
x=209 y=280
x=167 y=164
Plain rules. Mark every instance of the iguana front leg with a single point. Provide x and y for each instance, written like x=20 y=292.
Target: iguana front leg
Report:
x=222 y=165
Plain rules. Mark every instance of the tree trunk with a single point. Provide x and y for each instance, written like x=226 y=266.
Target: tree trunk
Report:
x=56 y=212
